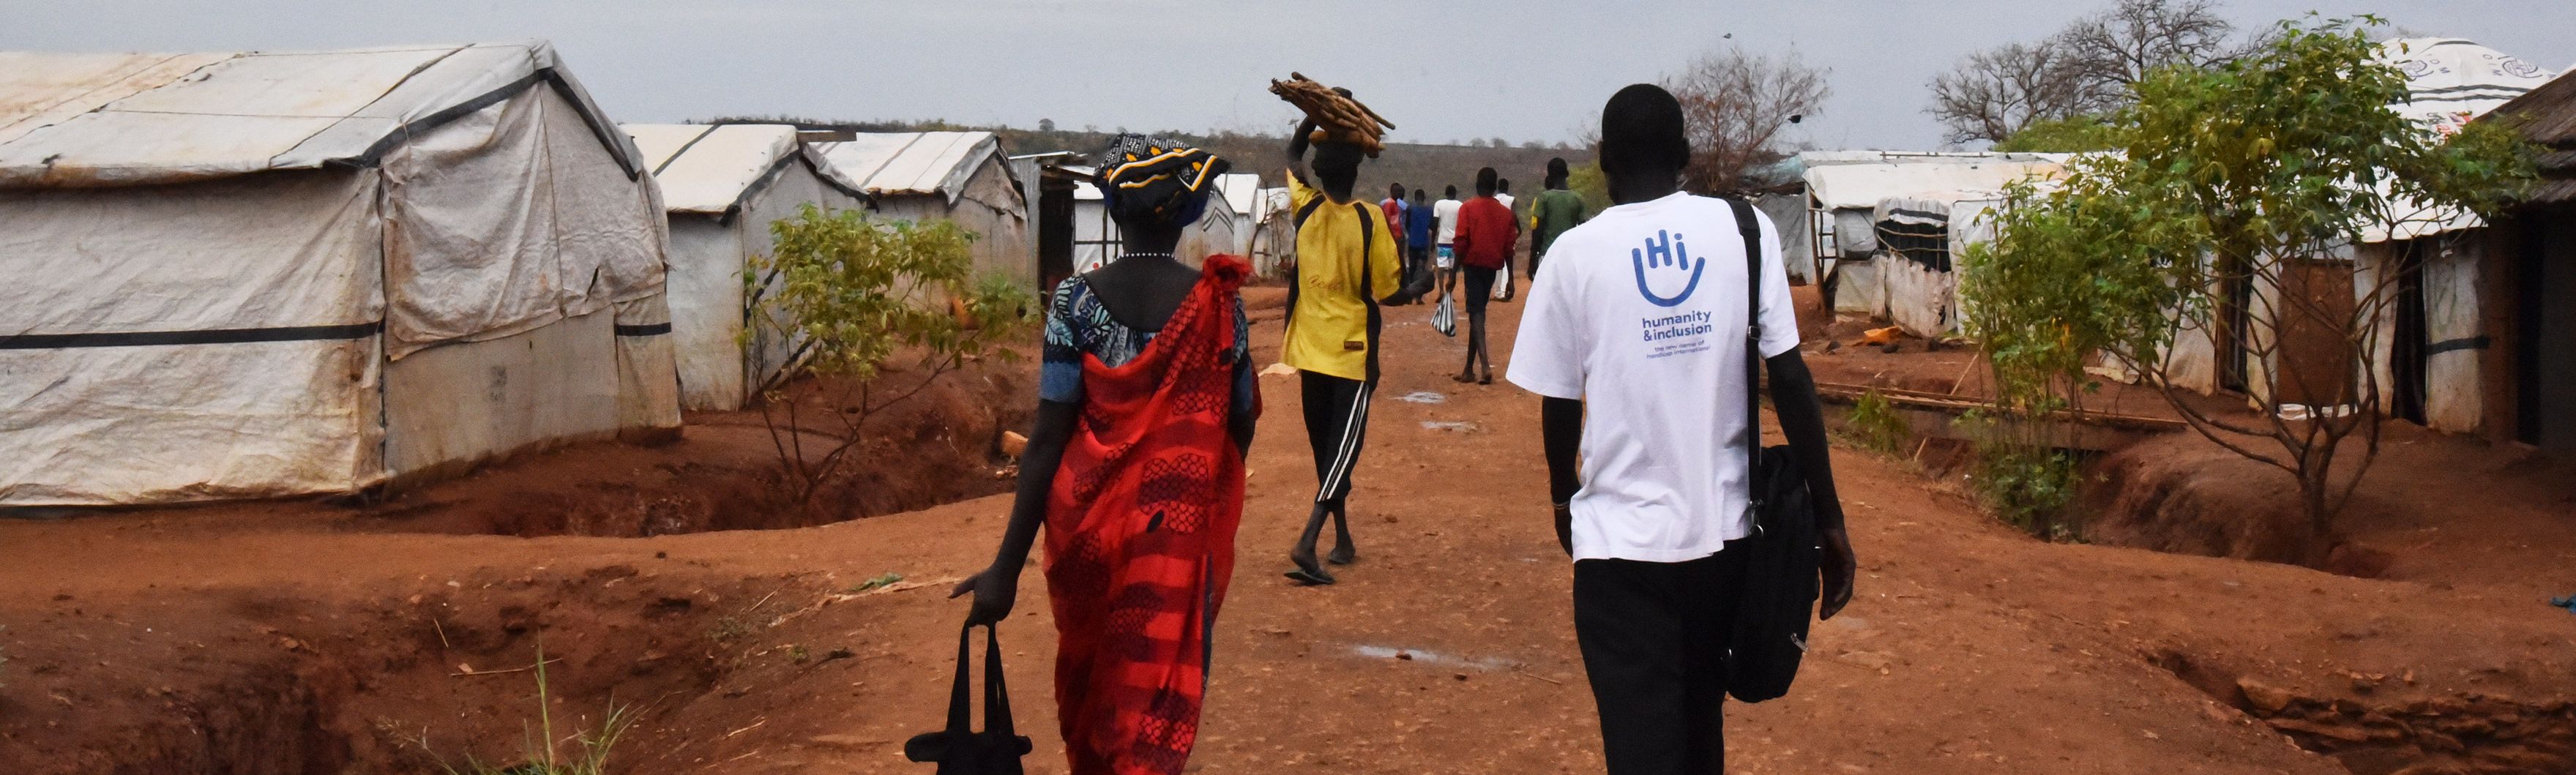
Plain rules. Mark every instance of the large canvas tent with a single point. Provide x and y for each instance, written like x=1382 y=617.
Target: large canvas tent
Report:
x=959 y=176
x=723 y=186
x=268 y=274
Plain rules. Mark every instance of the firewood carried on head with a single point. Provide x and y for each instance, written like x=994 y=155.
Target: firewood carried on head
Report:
x=1338 y=118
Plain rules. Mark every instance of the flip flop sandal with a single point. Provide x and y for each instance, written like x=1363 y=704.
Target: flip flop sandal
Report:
x=1309 y=579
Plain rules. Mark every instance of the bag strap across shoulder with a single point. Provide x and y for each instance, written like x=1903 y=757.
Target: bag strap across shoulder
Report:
x=1752 y=231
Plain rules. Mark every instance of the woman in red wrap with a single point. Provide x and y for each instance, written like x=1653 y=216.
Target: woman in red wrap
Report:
x=1145 y=408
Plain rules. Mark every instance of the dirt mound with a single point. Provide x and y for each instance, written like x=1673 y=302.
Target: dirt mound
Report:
x=939 y=446
x=2178 y=493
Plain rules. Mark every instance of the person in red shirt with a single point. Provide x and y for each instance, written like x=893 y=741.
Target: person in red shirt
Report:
x=1486 y=232
x=1396 y=210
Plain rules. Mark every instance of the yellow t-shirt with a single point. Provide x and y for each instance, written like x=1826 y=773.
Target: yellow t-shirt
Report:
x=1328 y=332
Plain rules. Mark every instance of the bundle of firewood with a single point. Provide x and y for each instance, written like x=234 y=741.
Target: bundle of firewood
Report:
x=1338 y=118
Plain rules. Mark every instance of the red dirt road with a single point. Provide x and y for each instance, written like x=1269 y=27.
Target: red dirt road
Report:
x=307 y=638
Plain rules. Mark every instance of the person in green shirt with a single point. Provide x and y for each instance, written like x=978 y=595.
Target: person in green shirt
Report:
x=1556 y=210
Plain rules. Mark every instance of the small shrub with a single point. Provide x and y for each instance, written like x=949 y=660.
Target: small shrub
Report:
x=851 y=292
x=2028 y=486
x=1874 y=425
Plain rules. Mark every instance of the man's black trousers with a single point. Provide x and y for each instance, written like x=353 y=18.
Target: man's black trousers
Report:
x=1654 y=645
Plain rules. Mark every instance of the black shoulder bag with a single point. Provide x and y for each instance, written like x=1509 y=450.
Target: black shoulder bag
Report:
x=959 y=749
x=1780 y=555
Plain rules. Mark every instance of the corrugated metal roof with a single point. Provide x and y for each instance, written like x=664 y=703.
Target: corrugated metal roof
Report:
x=910 y=163
x=2547 y=116
x=707 y=169
x=128 y=119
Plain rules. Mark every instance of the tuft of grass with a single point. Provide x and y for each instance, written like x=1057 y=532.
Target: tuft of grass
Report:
x=730 y=629
x=1874 y=425
x=543 y=753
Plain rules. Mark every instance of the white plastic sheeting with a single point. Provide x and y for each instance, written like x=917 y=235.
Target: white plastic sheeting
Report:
x=724 y=186
x=509 y=218
x=708 y=169
x=1861 y=186
x=1921 y=298
x=911 y=163
x=87 y=119
x=960 y=176
x=233 y=274
x=2450 y=82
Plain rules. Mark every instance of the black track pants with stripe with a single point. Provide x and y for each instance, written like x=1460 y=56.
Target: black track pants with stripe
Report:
x=1337 y=425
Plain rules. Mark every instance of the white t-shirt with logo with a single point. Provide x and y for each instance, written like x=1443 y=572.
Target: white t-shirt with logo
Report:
x=1640 y=314
x=1446 y=211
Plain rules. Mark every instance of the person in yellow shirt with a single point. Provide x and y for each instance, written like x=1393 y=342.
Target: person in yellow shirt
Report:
x=1346 y=265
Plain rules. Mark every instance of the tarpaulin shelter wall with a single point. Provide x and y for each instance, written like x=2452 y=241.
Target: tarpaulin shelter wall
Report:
x=1797 y=236
x=2439 y=263
x=1275 y=243
x=1844 y=189
x=723 y=186
x=959 y=176
x=1920 y=291
x=271 y=274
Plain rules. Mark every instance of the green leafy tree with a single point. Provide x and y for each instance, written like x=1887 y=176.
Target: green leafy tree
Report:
x=2237 y=187
x=849 y=293
x=2075 y=134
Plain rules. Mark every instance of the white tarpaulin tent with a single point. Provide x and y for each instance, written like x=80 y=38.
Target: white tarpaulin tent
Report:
x=723 y=186
x=960 y=176
x=1846 y=188
x=2451 y=82
x=267 y=274
x=1234 y=214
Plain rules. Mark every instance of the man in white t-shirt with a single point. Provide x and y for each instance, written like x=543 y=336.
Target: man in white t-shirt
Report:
x=1445 y=214
x=1635 y=336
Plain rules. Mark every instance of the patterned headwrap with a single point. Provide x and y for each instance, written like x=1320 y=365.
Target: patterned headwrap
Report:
x=1150 y=180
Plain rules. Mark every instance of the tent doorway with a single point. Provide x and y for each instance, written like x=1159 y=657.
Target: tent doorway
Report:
x=2545 y=325
x=2407 y=369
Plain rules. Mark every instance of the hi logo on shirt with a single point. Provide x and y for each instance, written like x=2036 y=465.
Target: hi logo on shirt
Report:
x=1663 y=257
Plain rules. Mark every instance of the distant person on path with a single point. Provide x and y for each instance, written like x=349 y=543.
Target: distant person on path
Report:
x=1346 y=267
x=1551 y=214
x=1635 y=340
x=1396 y=210
x=1485 y=237
x=1146 y=405
x=1446 y=257
x=1418 y=237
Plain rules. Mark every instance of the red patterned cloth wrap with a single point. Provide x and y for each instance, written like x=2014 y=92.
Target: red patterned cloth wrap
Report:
x=1140 y=539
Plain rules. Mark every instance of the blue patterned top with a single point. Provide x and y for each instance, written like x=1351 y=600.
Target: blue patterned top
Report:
x=1078 y=324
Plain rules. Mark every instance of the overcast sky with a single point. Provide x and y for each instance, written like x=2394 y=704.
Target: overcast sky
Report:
x=1516 y=69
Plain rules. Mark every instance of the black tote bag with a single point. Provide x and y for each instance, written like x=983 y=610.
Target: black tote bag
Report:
x=1781 y=556
x=959 y=750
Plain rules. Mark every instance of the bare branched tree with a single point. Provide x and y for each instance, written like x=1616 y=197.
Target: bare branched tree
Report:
x=1996 y=93
x=2087 y=68
x=1737 y=104
x=2115 y=48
